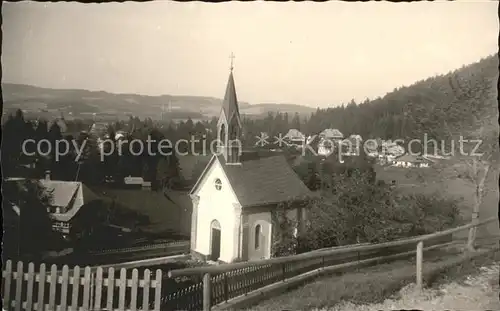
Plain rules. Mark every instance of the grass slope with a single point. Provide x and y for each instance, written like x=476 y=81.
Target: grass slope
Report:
x=374 y=284
x=446 y=183
x=166 y=216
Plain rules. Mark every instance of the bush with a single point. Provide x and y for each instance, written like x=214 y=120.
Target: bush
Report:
x=355 y=210
x=284 y=241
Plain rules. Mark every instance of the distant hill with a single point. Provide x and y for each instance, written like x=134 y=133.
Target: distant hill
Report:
x=51 y=102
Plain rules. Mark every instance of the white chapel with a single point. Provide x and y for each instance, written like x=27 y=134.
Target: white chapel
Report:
x=235 y=196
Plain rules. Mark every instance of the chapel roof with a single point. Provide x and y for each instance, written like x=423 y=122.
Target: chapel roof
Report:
x=263 y=181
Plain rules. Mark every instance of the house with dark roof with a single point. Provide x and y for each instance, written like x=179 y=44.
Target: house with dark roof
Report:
x=409 y=160
x=329 y=139
x=98 y=129
x=72 y=208
x=331 y=133
x=236 y=195
x=295 y=138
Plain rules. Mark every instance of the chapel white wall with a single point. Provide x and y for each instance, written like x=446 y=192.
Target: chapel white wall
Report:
x=216 y=205
x=264 y=251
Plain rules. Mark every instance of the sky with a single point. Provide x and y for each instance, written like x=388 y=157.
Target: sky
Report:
x=314 y=54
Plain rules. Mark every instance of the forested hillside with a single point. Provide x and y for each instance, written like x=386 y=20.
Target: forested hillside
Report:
x=409 y=112
x=457 y=99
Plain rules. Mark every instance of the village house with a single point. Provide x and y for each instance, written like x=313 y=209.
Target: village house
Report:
x=131 y=182
x=329 y=139
x=73 y=206
x=392 y=148
x=387 y=152
x=331 y=134
x=237 y=194
x=356 y=137
x=412 y=161
x=385 y=159
x=98 y=129
x=295 y=137
x=352 y=146
x=120 y=135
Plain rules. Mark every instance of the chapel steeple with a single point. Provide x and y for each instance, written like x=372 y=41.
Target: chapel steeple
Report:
x=229 y=125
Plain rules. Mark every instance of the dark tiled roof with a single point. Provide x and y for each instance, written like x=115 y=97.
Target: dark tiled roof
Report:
x=263 y=181
x=248 y=155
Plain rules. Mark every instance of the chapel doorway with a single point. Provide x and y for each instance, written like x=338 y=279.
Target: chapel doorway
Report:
x=215 y=240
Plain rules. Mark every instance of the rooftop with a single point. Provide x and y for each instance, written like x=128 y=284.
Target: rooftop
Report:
x=263 y=181
x=69 y=195
x=412 y=159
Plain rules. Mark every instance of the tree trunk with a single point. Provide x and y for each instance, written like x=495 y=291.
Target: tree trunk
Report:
x=475 y=220
x=478 y=196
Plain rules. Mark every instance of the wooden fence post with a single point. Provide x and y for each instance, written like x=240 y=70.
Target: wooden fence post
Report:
x=122 y=289
x=145 y=293
x=158 y=281
x=30 y=289
x=19 y=286
x=419 y=264
x=133 y=291
x=206 y=292
x=53 y=287
x=226 y=288
x=92 y=290
x=111 y=288
x=42 y=279
x=86 y=288
x=7 y=285
x=98 y=289
x=64 y=288
x=76 y=288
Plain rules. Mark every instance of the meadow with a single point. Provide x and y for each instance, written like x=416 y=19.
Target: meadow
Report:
x=169 y=216
x=353 y=291
x=445 y=181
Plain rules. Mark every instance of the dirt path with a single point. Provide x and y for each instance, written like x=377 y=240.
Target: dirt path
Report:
x=478 y=292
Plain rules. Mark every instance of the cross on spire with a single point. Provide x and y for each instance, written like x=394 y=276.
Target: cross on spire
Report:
x=232 y=59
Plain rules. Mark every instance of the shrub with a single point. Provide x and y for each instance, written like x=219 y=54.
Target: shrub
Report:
x=353 y=208
x=359 y=211
x=284 y=241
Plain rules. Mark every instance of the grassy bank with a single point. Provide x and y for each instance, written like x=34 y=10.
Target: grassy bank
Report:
x=375 y=284
x=474 y=287
x=445 y=182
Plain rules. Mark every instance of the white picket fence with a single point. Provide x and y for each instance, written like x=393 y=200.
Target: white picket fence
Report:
x=97 y=290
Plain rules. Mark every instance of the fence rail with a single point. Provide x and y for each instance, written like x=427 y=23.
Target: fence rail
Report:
x=231 y=284
x=225 y=282
x=102 y=289
x=180 y=246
